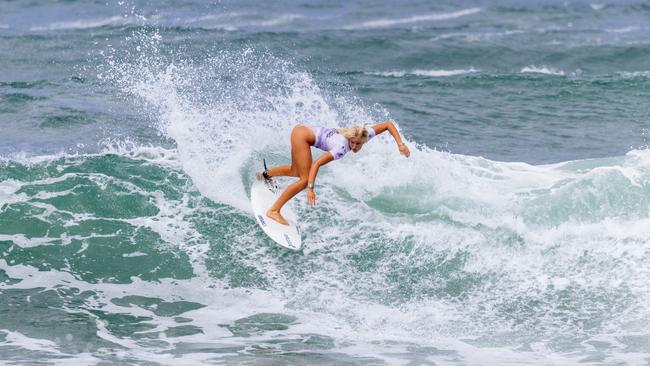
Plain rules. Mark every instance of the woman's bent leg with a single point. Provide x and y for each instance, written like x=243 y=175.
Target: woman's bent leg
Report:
x=300 y=163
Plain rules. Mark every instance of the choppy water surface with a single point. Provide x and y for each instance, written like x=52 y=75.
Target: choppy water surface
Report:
x=517 y=233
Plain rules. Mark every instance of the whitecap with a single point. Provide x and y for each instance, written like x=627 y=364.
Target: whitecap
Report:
x=628 y=29
x=541 y=70
x=429 y=73
x=211 y=17
x=634 y=74
x=379 y=23
x=83 y=24
x=474 y=37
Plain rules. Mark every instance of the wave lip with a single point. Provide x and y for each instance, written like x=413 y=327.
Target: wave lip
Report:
x=541 y=70
x=82 y=24
x=419 y=72
x=381 y=23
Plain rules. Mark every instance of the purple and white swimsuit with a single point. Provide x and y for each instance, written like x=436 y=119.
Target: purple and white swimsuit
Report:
x=329 y=139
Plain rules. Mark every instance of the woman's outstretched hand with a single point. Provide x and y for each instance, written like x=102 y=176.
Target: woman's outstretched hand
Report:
x=404 y=150
x=311 y=197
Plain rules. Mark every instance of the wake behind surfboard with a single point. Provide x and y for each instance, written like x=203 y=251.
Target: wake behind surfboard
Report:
x=262 y=197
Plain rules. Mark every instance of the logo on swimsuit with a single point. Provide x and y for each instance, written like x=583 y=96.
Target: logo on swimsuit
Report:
x=259 y=217
x=329 y=134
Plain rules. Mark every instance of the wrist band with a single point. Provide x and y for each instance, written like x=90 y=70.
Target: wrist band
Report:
x=310 y=186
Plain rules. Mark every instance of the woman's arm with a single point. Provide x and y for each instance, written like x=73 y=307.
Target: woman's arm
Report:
x=313 y=171
x=390 y=127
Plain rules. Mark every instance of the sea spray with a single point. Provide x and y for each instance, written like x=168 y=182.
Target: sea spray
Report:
x=223 y=107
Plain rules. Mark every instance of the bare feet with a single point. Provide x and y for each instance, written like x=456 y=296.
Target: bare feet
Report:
x=275 y=215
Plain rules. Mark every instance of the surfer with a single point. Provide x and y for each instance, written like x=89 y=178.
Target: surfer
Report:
x=336 y=142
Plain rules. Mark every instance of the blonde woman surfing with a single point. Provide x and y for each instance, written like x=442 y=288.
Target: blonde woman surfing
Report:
x=335 y=142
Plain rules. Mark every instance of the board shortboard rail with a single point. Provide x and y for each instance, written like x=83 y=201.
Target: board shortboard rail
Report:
x=262 y=197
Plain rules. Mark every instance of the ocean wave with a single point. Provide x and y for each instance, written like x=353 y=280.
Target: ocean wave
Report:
x=213 y=22
x=635 y=74
x=628 y=29
x=541 y=70
x=474 y=37
x=234 y=21
x=429 y=73
x=279 y=20
x=123 y=147
x=213 y=17
x=219 y=27
x=380 y=23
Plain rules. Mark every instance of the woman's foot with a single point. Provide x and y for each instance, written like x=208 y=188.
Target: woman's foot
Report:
x=275 y=215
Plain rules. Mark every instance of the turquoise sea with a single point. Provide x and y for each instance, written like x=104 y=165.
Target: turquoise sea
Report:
x=517 y=233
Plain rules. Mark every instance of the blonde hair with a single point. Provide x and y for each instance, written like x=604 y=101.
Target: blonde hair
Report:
x=354 y=131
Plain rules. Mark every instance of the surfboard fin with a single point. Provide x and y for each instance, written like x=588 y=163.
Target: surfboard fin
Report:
x=268 y=180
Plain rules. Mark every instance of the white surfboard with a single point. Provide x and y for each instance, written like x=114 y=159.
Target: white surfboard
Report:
x=263 y=197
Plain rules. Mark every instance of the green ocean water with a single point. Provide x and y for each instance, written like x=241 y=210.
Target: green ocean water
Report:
x=516 y=233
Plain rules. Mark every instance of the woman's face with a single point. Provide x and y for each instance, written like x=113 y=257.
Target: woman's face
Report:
x=355 y=144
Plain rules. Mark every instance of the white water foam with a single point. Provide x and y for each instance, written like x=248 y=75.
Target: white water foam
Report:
x=381 y=23
x=8 y=189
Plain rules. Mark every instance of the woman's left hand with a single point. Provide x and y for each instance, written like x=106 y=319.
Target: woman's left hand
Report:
x=404 y=150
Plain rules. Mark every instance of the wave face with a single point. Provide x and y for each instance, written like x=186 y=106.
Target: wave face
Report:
x=125 y=230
